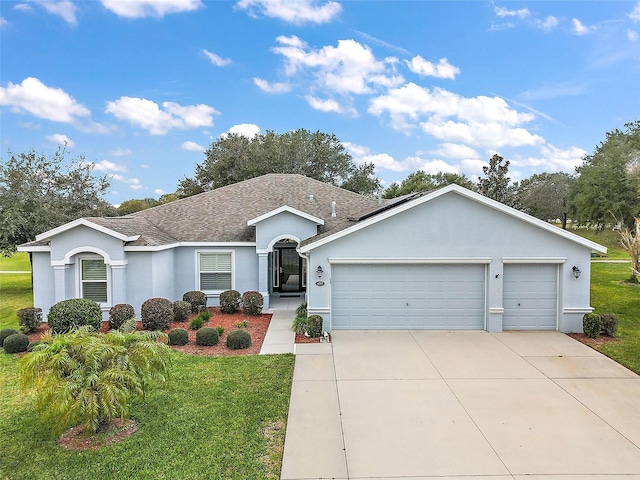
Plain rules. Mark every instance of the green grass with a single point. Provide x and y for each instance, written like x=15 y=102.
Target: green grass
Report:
x=219 y=417
x=15 y=289
x=18 y=262
x=606 y=238
x=608 y=295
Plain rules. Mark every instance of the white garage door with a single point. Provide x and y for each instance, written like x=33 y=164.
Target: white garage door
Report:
x=530 y=297
x=415 y=296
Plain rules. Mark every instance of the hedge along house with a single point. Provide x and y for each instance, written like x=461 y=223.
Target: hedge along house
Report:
x=446 y=259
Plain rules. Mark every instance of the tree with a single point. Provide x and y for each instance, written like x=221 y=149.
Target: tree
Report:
x=317 y=155
x=39 y=193
x=630 y=241
x=606 y=190
x=496 y=184
x=546 y=196
x=421 y=182
x=136 y=205
x=90 y=378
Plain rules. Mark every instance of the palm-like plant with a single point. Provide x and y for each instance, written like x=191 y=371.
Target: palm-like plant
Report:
x=90 y=378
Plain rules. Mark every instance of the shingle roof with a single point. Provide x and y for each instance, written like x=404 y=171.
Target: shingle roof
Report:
x=221 y=215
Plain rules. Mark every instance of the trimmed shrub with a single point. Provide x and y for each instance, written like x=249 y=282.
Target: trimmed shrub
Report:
x=156 y=314
x=207 y=336
x=33 y=345
x=196 y=323
x=609 y=324
x=300 y=322
x=220 y=331
x=252 y=303
x=5 y=333
x=592 y=325
x=181 y=310
x=229 y=301
x=75 y=312
x=238 y=339
x=18 y=342
x=314 y=326
x=120 y=313
x=197 y=299
x=178 y=336
x=242 y=324
x=29 y=319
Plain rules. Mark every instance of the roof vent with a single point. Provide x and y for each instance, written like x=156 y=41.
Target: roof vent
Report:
x=310 y=197
x=333 y=209
x=380 y=197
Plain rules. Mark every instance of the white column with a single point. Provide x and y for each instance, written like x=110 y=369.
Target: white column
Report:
x=263 y=277
x=118 y=283
x=60 y=282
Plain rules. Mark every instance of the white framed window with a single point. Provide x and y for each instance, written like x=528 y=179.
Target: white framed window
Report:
x=94 y=281
x=215 y=271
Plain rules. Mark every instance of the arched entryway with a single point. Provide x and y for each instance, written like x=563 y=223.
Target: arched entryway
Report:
x=288 y=268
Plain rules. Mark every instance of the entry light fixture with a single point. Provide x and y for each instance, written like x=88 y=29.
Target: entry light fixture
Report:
x=576 y=271
x=319 y=271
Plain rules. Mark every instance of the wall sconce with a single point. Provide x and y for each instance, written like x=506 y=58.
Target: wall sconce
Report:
x=576 y=271
x=319 y=271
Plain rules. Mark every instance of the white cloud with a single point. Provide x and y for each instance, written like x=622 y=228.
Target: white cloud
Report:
x=159 y=191
x=455 y=150
x=23 y=7
x=148 y=115
x=548 y=23
x=443 y=69
x=349 y=68
x=298 y=12
x=635 y=14
x=632 y=35
x=133 y=183
x=384 y=161
x=553 y=159
x=107 y=166
x=248 y=130
x=3 y=22
x=120 y=152
x=150 y=8
x=504 y=12
x=579 y=28
x=62 y=8
x=217 y=60
x=60 y=139
x=272 y=87
x=435 y=166
x=473 y=166
x=192 y=146
x=36 y=98
x=329 y=105
x=382 y=43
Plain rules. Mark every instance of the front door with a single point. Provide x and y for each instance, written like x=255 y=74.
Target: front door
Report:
x=288 y=270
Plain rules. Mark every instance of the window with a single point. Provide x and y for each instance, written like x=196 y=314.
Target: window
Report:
x=94 y=280
x=215 y=271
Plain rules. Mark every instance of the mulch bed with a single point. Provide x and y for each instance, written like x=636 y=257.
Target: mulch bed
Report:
x=592 y=342
x=117 y=431
x=302 y=339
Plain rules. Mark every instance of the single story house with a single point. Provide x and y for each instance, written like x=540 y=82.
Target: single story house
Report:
x=445 y=259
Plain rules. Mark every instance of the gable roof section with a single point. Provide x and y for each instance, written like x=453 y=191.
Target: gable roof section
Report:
x=93 y=223
x=384 y=212
x=285 y=208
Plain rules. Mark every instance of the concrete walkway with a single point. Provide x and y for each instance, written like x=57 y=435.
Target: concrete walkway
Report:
x=426 y=405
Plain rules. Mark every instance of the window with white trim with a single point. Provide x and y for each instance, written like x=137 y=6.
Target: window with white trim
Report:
x=93 y=279
x=215 y=271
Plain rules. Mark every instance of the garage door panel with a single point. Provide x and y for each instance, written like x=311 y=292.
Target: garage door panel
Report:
x=415 y=296
x=530 y=298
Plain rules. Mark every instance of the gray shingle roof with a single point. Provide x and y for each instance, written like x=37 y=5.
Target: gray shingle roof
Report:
x=221 y=215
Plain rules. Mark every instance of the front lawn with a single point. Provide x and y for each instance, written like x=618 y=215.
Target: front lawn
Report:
x=215 y=417
x=606 y=238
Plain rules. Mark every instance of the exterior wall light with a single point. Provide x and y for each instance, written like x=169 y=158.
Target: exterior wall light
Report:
x=319 y=271
x=576 y=271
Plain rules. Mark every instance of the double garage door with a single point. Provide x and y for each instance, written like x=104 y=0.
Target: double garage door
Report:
x=440 y=296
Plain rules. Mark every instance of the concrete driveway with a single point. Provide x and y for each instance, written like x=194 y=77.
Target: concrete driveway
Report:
x=419 y=405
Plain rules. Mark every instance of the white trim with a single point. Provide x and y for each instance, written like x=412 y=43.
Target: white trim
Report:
x=79 y=281
x=577 y=310
x=465 y=193
x=215 y=293
x=273 y=242
x=150 y=248
x=158 y=248
x=556 y=260
x=85 y=249
x=396 y=260
x=496 y=311
x=89 y=224
x=38 y=248
x=285 y=208
x=321 y=310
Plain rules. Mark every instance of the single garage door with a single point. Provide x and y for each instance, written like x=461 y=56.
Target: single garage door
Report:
x=530 y=298
x=408 y=296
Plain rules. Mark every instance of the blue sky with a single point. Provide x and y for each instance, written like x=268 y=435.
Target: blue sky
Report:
x=141 y=87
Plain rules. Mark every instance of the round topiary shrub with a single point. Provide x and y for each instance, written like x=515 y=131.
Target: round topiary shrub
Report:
x=181 y=310
x=207 y=336
x=75 y=312
x=229 y=301
x=18 y=342
x=592 y=325
x=29 y=319
x=197 y=299
x=120 y=313
x=252 y=303
x=609 y=324
x=238 y=339
x=5 y=333
x=156 y=314
x=178 y=336
x=314 y=326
